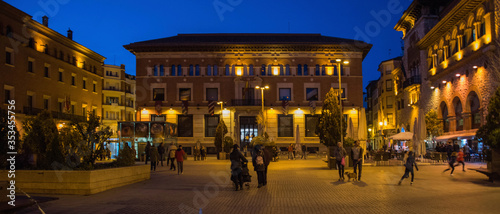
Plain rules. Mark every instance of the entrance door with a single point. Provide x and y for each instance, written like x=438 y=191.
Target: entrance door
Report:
x=248 y=129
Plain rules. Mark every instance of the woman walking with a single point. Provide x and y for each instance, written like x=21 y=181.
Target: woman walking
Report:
x=340 y=160
x=410 y=162
x=179 y=156
x=451 y=163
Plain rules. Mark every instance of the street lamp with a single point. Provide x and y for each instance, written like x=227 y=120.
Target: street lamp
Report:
x=262 y=88
x=339 y=64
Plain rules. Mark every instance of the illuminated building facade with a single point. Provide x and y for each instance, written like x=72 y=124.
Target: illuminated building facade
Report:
x=177 y=78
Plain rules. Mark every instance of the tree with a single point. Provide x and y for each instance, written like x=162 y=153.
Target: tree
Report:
x=228 y=144
x=94 y=136
x=490 y=132
x=328 y=126
x=41 y=139
x=433 y=124
x=220 y=131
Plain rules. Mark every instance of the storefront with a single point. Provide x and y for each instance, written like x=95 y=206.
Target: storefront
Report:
x=138 y=134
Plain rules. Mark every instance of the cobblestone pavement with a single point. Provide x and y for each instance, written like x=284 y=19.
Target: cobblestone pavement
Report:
x=300 y=186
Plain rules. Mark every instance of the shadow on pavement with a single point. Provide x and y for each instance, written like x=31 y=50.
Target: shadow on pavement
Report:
x=336 y=183
x=360 y=183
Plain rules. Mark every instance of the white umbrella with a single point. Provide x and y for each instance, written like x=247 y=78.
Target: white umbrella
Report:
x=350 y=131
x=362 y=132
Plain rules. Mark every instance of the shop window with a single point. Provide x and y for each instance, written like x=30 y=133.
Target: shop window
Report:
x=185 y=125
x=211 y=123
x=285 y=125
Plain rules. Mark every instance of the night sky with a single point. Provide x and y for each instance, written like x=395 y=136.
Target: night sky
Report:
x=105 y=26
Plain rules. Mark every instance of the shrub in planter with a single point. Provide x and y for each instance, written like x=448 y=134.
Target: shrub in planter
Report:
x=126 y=157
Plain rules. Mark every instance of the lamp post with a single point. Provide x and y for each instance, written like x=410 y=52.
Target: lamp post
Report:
x=262 y=88
x=339 y=64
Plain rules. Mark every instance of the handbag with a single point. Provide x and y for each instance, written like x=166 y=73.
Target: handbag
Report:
x=184 y=156
x=342 y=161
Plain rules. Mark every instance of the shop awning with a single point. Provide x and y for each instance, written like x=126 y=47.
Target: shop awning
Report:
x=463 y=134
x=402 y=136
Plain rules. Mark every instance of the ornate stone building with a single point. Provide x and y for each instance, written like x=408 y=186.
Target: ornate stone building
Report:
x=177 y=78
x=447 y=43
x=42 y=69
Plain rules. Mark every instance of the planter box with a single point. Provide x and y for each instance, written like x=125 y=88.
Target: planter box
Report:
x=78 y=182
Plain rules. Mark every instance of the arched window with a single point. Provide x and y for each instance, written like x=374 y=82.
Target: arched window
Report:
x=306 y=70
x=445 y=120
x=228 y=70
x=317 y=72
x=191 y=70
x=287 y=70
x=323 y=70
x=172 y=72
x=299 y=70
x=263 y=70
x=250 y=70
x=197 y=70
x=179 y=70
x=458 y=115
x=155 y=70
x=282 y=71
x=474 y=106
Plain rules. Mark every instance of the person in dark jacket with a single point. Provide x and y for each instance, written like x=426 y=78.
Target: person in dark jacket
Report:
x=449 y=149
x=357 y=158
x=451 y=163
x=339 y=154
x=236 y=162
x=410 y=162
x=267 y=159
x=161 y=153
x=259 y=167
x=179 y=156
x=304 y=152
x=147 y=151
x=154 y=157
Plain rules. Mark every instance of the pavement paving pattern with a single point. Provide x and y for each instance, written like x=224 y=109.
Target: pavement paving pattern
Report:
x=294 y=186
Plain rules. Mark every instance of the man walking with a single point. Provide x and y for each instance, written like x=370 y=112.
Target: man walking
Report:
x=410 y=162
x=267 y=159
x=304 y=152
x=356 y=156
x=147 y=150
x=161 y=152
x=236 y=163
x=179 y=156
x=171 y=155
x=154 y=157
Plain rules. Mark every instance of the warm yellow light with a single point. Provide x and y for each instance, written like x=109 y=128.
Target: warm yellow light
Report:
x=476 y=45
x=298 y=111
x=457 y=75
x=488 y=39
x=444 y=82
x=475 y=66
x=225 y=112
x=266 y=87
x=276 y=70
x=445 y=64
x=239 y=70
x=60 y=125
x=353 y=111
x=338 y=60
x=432 y=87
x=171 y=111
x=459 y=56
x=144 y=111
x=257 y=87
x=346 y=62
x=329 y=70
x=380 y=123
x=385 y=123
x=433 y=71
x=369 y=130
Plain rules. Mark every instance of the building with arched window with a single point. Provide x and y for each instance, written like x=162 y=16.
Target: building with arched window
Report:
x=228 y=67
x=452 y=41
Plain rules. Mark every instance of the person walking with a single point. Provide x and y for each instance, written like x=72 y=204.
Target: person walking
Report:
x=451 y=163
x=179 y=156
x=161 y=153
x=203 y=153
x=356 y=156
x=410 y=163
x=154 y=157
x=147 y=151
x=236 y=163
x=290 y=152
x=449 y=149
x=259 y=167
x=171 y=155
x=340 y=160
x=460 y=159
x=304 y=152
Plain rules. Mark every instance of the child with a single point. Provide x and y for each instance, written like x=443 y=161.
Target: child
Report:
x=460 y=159
x=410 y=162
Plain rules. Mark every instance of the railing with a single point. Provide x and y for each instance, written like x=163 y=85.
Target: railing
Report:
x=64 y=116
x=111 y=89
x=246 y=102
x=31 y=110
x=412 y=81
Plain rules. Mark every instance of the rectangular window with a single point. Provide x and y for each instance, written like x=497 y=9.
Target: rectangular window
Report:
x=185 y=127
x=30 y=66
x=7 y=96
x=185 y=94
x=211 y=123
x=212 y=94
x=158 y=94
x=390 y=118
x=60 y=76
x=46 y=104
x=84 y=84
x=388 y=85
x=311 y=94
x=389 y=101
x=311 y=122
x=84 y=111
x=46 y=71
x=60 y=106
x=30 y=101
x=285 y=125
x=94 y=87
x=72 y=109
x=343 y=92
x=73 y=80
x=8 y=57
x=285 y=93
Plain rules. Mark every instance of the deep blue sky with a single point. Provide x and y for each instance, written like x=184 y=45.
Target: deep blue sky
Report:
x=105 y=26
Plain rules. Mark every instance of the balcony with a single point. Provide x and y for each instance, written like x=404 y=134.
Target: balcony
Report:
x=412 y=81
x=111 y=89
x=64 y=116
x=31 y=110
x=246 y=102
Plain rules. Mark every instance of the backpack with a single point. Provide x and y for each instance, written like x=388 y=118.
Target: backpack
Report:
x=259 y=160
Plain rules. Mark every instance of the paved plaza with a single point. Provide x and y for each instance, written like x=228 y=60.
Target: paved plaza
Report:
x=300 y=186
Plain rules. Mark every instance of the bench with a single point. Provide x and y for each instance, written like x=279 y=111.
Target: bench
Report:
x=491 y=175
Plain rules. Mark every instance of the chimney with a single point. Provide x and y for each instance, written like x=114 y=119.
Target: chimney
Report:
x=70 y=34
x=45 y=21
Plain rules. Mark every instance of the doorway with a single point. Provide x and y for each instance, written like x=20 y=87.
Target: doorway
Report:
x=248 y=129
